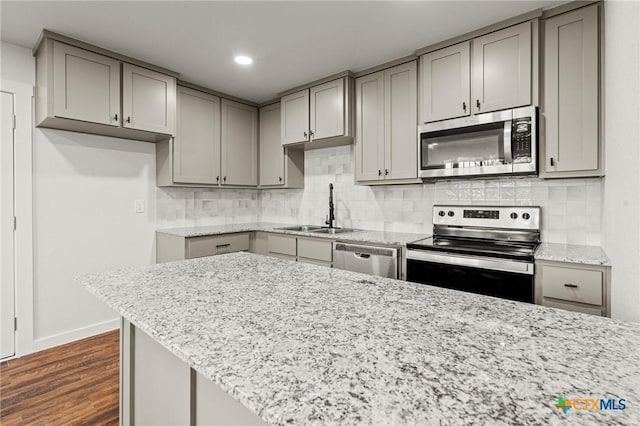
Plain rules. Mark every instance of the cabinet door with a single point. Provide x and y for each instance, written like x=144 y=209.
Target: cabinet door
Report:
x=239 y=144
x=271 y=150
x=148 y=100
x=86 y=86
x=571 y=80
x=502 y=69
x=445 y=80
x=401 y=122
x=370 y=127
x=196 y=147
x=327 y=110
x=295 y=117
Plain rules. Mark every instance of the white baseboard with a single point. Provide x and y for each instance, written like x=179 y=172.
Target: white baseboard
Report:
x=73 y=335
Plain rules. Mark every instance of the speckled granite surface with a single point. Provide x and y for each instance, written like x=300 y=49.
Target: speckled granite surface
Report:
x=587 y=255
x=374 y=237
x=304 y=344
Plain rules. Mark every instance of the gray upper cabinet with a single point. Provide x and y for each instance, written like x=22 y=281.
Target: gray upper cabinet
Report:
x=295 y=117
x=327 y=110
x=445 y=83
x=86 y=86
x=239 y=142
x=370 y=136
x=196 y=147
x=321 y=114
x=148 y=100
x=87 y=89
x=401 y=120
x=386 y=125
x=501 y=69
x=271 y=150
x=572 y=144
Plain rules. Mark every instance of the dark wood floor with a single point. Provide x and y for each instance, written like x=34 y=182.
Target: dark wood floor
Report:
x=76 y=383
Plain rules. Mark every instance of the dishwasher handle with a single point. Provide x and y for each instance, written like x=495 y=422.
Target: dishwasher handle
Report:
x=362 y=255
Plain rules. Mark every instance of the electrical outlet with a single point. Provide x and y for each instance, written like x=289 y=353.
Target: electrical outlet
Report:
x=138 y=206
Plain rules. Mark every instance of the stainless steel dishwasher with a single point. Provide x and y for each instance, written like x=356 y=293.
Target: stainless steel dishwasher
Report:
x=381 y=261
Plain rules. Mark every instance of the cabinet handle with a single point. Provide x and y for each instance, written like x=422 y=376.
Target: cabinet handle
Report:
x=305 y=135
x=386 y=172
x=224 y=179
x=115 y=117
x=280 y=178
x=379 y=172
x=478 y=103
x=217 y=178
x=311 y=134
x=464 y=106
x=571 y=285
x=128 y=120
x=552 y=161
x=223 y=245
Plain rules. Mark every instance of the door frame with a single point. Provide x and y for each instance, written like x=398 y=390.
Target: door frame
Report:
x=23 y=208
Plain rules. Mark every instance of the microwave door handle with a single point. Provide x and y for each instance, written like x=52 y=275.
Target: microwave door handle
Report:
x=508 y=157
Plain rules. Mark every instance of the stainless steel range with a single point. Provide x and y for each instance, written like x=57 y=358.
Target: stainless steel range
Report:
x=480 y=249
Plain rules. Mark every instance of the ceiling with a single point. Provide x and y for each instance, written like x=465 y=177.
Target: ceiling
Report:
x=292 y=43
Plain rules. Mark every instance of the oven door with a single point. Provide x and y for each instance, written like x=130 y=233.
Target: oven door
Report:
x=502 y=278
x=470 y=146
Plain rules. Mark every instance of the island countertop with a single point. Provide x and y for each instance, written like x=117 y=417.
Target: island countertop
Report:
x=300 y=344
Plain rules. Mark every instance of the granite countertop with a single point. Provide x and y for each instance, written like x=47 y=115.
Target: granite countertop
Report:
x=363 y=236
x=303 y=344
x=586 y=255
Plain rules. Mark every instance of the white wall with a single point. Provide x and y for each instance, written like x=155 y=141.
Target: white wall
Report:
x=84 y=188
x=622 y=138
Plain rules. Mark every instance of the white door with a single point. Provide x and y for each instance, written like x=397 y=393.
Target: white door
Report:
x=6 y=228
x=327 y=110
x=295 y=117
x=445 y=81
x=502 y=69
x=369 y=146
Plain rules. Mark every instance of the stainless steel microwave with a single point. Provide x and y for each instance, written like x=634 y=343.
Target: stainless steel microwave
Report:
x=495 y=143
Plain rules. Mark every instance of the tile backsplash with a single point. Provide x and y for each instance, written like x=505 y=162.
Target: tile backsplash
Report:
x=571 y=208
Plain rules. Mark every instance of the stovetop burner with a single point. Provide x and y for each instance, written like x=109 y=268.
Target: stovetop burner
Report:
x=478 y=247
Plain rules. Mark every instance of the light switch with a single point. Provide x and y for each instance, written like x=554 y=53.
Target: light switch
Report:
x=138 y=206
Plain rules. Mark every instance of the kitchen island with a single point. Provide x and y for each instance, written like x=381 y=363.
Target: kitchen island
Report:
x=296 y=343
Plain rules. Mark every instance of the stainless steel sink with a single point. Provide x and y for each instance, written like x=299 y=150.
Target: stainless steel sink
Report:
x=333 y=230
x=301 y=228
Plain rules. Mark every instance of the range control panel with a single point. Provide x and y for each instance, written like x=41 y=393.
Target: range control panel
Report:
x=507 y=217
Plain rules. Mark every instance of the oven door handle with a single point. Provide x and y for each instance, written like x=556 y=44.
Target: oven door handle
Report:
x=473 y=262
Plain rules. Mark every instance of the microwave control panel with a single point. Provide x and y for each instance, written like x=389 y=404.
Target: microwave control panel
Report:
x=521 y=140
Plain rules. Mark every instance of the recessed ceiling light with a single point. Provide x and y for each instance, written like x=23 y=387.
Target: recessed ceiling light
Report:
x=243 y=60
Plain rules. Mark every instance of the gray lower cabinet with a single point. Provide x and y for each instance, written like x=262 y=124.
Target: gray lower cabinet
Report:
x=574 y=287
x=317 y=251
x=239 y=141
x=386 y=122
x=572 y=145
x=279 y=167
x=193 y=156
x=172 y=247
x=158 y=388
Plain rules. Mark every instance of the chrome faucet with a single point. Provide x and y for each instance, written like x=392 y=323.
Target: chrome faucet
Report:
x=332 y=216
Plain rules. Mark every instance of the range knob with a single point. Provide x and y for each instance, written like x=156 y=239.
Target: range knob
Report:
x=451 y=213
x=526 y=216
x=441 y=213
x=514 y=215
